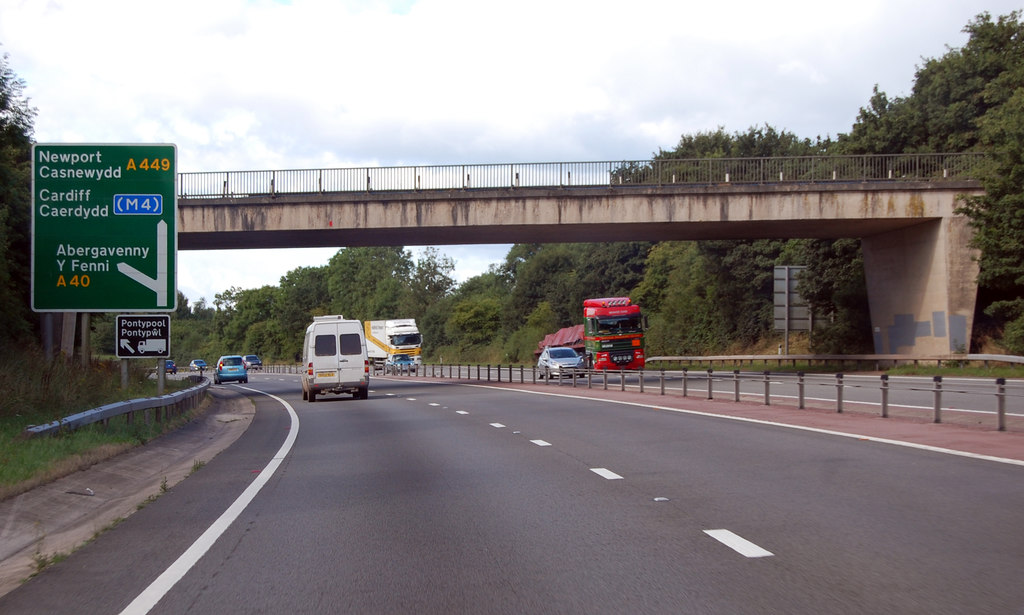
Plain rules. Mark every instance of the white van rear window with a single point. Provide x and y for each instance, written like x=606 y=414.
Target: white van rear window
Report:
x=351 y=344
x=325 y=346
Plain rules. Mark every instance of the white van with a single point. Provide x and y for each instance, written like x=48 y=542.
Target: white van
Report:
x=334 y=354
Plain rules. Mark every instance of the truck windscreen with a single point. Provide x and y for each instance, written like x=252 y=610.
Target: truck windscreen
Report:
x=410 y=339
x=612 y=325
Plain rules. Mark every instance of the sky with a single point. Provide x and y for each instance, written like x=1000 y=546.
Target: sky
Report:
x=274 y=84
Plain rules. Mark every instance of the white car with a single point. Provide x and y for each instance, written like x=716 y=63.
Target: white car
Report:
x=558 y=361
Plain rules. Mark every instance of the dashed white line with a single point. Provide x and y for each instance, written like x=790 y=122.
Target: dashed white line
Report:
x=541 y=442
x=461 y=412
x=605 y=473
x=434 y=405
x=497 y=425
x=737 y=543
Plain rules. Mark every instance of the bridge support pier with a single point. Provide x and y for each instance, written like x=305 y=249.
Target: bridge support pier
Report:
x=922 y=286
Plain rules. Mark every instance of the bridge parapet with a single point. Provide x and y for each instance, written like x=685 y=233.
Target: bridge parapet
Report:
x=659 y=172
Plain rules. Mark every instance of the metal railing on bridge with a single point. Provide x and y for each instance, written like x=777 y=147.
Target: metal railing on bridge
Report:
x=706 y=171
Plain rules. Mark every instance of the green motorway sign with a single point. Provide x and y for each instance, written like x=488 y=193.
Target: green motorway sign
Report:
x=104 y=232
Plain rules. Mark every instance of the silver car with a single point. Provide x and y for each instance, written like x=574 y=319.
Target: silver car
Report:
x=559 y=361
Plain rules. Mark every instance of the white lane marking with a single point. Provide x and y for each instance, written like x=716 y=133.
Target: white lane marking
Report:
x=434 y=405
x=738 y=544
x=541 y=442
x=410 y=399
x=174 y=573
x=461 y=412
x=743 y=419
x=603 y=472
x=497 y=425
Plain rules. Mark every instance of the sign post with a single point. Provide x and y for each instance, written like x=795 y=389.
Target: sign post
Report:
x=104 y=228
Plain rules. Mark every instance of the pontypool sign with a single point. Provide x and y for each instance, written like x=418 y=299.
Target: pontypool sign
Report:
x=104 y=232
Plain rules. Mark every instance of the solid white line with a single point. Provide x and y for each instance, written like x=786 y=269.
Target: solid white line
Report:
x=541 y=442
x=605 y=473
x=738 y=544
x=174 y=573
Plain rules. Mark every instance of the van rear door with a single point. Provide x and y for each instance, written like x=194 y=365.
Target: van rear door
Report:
x=350 y=358
x=326 y=360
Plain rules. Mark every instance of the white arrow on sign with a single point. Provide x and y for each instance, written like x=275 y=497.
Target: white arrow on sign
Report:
x=158 y=284
x=127 y=345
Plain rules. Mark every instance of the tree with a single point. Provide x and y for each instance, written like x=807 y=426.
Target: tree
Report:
x=836 y=291
x=369 y=283
x=998 y=220
x=431 y=281
x=16 y=117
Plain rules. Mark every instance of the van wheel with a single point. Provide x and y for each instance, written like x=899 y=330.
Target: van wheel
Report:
x=311 y=397
x=305 y=395
x=362 y=393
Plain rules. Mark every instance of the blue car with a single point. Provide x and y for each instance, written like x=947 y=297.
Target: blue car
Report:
x=400 y=364
x=230 y=368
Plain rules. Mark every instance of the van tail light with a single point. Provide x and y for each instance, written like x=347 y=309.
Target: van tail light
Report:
x=366 y=366
x=309 y=369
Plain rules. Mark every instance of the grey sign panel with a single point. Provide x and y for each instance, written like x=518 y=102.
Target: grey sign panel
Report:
x=143 y=336
x=790 y=311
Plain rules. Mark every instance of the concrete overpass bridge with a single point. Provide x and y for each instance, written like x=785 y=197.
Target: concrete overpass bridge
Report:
x=921 y=273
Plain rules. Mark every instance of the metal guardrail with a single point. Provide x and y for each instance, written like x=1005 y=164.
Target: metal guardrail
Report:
x=705 y=380
x=876 y=360
x=693 y=171
x=171 y=404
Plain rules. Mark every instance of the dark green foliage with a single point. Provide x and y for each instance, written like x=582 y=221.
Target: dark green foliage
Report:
x=16 y=117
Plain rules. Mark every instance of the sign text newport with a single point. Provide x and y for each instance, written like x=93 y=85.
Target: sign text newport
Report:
x=104 y=232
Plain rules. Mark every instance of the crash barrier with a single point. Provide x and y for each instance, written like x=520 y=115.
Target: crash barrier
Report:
x=162 y=407
x=874 y=362
x=701 y=383
x=282 y=369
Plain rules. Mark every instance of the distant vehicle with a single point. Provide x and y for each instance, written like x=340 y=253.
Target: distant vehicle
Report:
x=230 y=368
x=559 y=361
x=334 y=353
x=400 y=364
x=252 y=362
x=613 y=333
x=170 y=367
x=197 y=365
x=388 y=337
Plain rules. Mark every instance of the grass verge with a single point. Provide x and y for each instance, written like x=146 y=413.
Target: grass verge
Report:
x=38 y=391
